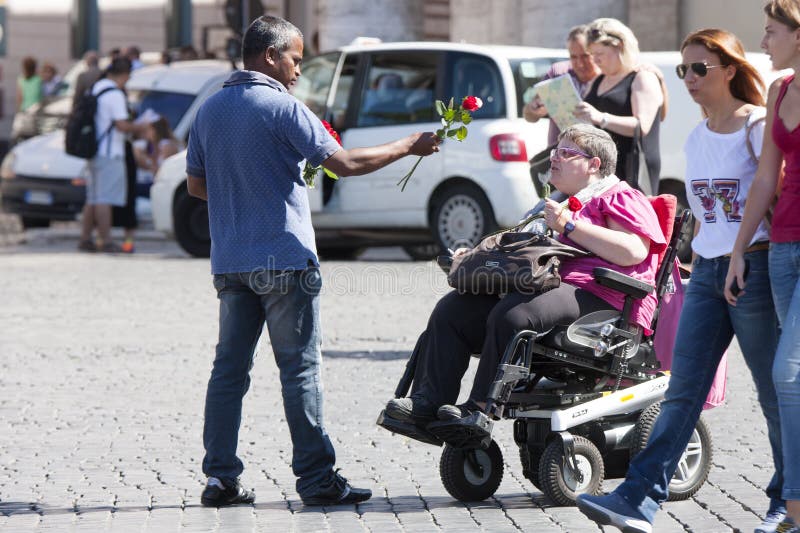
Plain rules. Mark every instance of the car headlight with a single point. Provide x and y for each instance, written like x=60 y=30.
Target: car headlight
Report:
x=7 y=167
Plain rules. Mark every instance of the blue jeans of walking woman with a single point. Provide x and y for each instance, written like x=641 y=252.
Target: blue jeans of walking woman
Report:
x=784 y=273
x=289 y=304
x=707 y=325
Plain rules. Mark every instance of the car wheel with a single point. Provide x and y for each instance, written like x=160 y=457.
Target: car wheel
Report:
x=191 y=225
x=678 y=190
x=462 y=216
x=31 y=222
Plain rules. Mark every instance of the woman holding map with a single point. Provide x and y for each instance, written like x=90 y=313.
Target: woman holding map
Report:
x=624 y=100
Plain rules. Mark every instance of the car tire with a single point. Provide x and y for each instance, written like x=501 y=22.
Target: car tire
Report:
x=32 y=222
x=461 y=216
x=190 y=220
x=678 y=190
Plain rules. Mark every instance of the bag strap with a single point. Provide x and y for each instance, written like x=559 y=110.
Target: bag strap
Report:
x=111 y=126
x=750 y=123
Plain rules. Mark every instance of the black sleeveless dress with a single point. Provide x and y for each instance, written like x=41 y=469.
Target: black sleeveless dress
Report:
x=617 y=101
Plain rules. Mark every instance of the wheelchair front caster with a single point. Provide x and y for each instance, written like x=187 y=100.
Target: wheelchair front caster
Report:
x=694 y=464
x=471 y=475
x=558 y=480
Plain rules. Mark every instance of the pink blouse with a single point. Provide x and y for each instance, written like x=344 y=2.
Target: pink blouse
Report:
x=632 y=210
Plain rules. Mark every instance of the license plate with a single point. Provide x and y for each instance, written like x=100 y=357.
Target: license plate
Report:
x=39 y=197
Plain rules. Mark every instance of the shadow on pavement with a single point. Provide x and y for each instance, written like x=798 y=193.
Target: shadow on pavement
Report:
x=383 y=355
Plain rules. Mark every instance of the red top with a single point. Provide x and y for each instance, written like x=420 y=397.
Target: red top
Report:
x=785 y=219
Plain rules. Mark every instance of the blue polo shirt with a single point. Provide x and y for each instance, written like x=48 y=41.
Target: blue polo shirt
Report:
x=248 y=141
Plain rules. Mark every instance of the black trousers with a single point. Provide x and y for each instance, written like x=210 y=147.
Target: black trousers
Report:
x=465 y=324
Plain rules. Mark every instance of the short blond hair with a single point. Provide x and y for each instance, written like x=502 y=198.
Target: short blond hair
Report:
x=595 y=142
x=787 y=12
x=612 y=32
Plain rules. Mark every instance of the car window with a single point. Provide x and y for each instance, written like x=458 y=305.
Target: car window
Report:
x=313 y=86
x=474 y=75
x=527 y=73
x=171 y=106
x=341 y=98
x=400 y=89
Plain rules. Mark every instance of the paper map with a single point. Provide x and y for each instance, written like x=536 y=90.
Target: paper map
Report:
x=560 y=97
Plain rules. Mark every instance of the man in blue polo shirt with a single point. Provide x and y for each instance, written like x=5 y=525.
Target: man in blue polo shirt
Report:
x=245 y=151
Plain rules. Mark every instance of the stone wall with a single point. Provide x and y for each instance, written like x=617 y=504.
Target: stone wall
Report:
x=341 y=21
x=546 y=22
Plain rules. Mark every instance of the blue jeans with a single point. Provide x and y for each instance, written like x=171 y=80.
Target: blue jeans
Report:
x=784 y=273
x=705 y=330
x=289 y=303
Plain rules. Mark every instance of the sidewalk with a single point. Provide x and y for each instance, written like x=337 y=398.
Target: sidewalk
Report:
x=103 y=371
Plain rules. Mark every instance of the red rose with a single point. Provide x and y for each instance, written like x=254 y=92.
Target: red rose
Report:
x=332 y=131
x=574 y=204
x=471 y=103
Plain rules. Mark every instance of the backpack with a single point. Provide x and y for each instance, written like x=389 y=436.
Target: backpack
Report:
x=80 y=137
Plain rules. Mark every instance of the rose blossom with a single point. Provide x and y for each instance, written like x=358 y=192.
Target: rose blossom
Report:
x=471 y=103
x=574 y=204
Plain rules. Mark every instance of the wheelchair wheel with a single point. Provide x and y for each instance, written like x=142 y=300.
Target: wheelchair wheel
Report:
x=471 y=475
x=529 y=458
x=558 y=482
x=695 y=462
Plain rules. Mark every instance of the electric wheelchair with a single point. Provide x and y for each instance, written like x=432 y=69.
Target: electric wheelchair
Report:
x=583 y=398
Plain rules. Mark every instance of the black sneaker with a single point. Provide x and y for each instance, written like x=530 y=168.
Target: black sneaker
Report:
x=219 y=494
x=338 y=492
x=411 y=411
x=457 y=412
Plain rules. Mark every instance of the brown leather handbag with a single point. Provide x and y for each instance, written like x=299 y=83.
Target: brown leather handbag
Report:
x=512 y=261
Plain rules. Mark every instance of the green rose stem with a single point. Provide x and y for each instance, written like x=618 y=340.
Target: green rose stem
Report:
x=450 y=115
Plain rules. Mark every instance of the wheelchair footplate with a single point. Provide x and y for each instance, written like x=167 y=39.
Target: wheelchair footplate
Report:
x=407 y=429
x=473 y=431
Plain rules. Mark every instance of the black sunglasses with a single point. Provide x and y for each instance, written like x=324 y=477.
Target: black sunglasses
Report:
x=701 y=69
x=597 y=34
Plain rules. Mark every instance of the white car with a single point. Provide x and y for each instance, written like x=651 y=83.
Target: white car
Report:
x=40 y=182
x=377 y=93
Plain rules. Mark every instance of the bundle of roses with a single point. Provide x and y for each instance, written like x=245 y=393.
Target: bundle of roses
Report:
x=310 y=172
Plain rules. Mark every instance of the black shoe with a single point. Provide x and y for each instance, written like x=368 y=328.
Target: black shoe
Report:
x=338 y=492
x=411 y=411
x=230 y=494
x=457 y=412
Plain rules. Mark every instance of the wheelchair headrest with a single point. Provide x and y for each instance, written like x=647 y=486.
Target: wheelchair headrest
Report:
x=665 y=206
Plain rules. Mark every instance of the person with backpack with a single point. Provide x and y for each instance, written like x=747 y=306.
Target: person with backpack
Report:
x=722 y=157
x=106 y=185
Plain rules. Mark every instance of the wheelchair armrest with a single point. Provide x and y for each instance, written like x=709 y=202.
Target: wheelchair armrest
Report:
x=622 y=283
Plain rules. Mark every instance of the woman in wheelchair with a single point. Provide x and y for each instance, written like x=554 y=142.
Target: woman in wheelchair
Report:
x=617 y=224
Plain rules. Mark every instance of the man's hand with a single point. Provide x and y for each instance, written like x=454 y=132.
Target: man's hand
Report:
x=424 y=143
x=534 y=110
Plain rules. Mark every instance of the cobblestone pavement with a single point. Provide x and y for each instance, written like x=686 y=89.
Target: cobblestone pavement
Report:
x=103 y=366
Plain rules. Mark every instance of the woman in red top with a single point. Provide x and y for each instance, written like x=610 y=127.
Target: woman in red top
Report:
x=781 y=150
